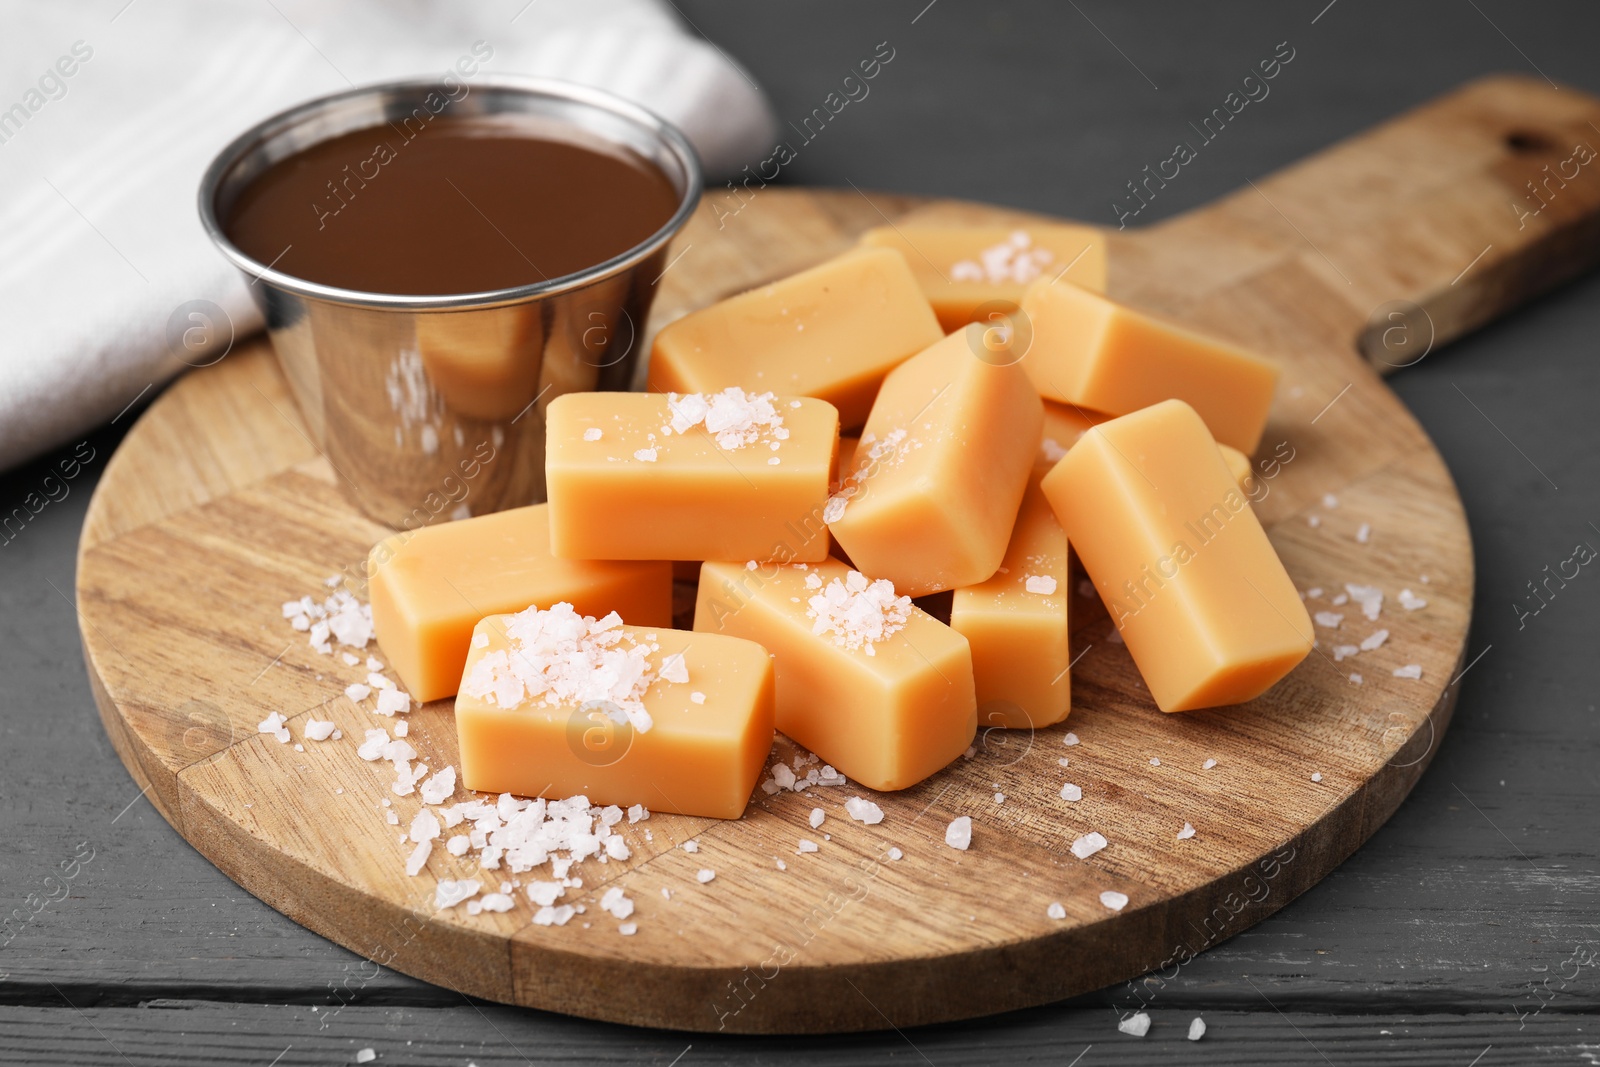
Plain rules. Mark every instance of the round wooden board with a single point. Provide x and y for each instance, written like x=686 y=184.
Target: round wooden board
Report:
x=216 y=509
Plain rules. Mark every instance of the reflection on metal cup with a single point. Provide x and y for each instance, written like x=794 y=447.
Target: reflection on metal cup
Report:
x=431 y=407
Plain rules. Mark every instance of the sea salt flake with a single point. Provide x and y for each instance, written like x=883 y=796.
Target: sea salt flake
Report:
x=637 y=813
x=959 y=833
x=1114 y=900
x=1411 y=601
x=402 y=728
x=856 y=612
x=1071 y=792
x=697 y=697
x=817 y=815
x=895 y=853
x=691 y=845
x=592 y=434
x=425 y=827
x=544 y=894
x=497 y=902
x=1088 y=844
x=318 y=729
x=458 y=845
x=627 y=929
x=1137 y=1024
x=704 y=875
x=366 y=1055
x=862 y=811
x=1040 y=583
x=1328 y=619
x=1374 y=641
x=556 y=916
x=1410 y=670
x=645 y=455
x=418 y=857
x=357 y=692
x=1186 y=833
x=392 y=701
x=1197 y=1028
x=1208 y=764
x=1055 y=910
x=1356 y=679
x=1316 y=776
x=673 y=669
x=440 y=787
x=1342 y=652
x=1070 y=739
x=448 y=893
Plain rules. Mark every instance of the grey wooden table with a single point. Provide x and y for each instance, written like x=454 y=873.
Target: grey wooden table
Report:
x=1463 y=933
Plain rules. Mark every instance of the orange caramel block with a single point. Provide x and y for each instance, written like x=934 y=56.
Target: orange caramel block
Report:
x=886 y=713
x=831 y=332
x=707 y=742
x=941 y=468
x=430 y=586
x=623 y=484
x=1091 y=351
x=1183 y=565
x=962 y=268
x=1016 y=623
x=1064 y=424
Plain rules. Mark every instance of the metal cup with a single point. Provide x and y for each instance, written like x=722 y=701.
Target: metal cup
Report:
x=432 y=407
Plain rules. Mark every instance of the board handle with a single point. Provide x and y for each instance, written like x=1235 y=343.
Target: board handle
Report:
x=1435 y=222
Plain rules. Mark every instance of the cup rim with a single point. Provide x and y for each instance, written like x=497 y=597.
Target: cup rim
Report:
x=673 y=138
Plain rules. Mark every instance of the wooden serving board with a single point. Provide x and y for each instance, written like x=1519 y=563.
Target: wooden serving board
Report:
x=216 y=509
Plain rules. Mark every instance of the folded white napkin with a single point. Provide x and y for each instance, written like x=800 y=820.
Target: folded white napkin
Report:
x=110 y=111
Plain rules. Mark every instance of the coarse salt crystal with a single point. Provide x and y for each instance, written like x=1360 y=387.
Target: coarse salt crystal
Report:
x=557 y=916
x=704 y=875
x=1137 y=1024
x=1155 y=761
x=1114 y=900
x=805 y=846
x=1055 y=910
x=1040 y=583
x=372 y=747
x=418 y=857
x=817 y=815
x=392 y=701
x=544 y=894
x=645 y=455
x=592 y=434
x=1088 y=844
x=1329 y=619
x=402 y=728
x=497 y=902
x=1197 y=1028
x=1208 y=764
x=637 y=813
x=1070 y=739
x=1341 y=652
x=613 y=900
x=448 y=893
x=319 y=729
x=440 y=787
x=863 y=811
x=1186 y=833
x=357 y=692
x=1364 y=532
x=1411 y=601
x=691 y=845
x=697 y=697
x=627 y=929
x=1356 y=679
x=1316 y=776
x=1410 y=670
x=959 y=833
x=458 y=845
x=999 y=798
x=425 y=827
x=895 y=853
x=673 y=669
x=366 y=1055
x=1071 y=792
x=1375 y=640
x=350 y=658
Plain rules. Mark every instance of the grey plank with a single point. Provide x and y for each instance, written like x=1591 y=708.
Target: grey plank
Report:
x=174 y=1033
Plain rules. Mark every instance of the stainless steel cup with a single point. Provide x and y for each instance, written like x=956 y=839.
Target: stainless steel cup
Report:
x=432 y=407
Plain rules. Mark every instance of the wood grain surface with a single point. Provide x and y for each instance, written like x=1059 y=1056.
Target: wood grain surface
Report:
x=217 y=508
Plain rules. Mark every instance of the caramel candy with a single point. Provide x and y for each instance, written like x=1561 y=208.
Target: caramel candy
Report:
x=1208 y=612
x=866 y=680
x=962 y=268
x=690 y=737
x=1088 y=350
x=831 y=332
x=941 y=468
x=429 y=587
x=733 y=476
x=1016 y=623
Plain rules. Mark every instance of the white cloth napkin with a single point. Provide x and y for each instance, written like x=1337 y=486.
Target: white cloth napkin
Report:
x=110 y=111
